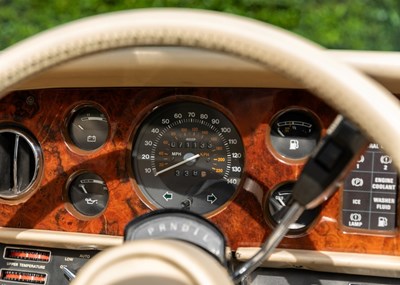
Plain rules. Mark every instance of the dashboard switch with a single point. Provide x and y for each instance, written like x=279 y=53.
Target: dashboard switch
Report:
x=68 y=273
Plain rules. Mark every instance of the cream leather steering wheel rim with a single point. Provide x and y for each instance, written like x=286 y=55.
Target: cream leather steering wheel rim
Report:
x=371 y=107
x=348 y=91
x=152 y=262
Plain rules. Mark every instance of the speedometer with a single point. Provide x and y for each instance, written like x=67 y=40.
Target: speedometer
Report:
x=187 y=155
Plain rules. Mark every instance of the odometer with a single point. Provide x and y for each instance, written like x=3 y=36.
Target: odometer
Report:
x=187 y=155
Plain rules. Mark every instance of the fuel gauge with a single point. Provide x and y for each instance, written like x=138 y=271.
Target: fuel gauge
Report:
x=295 y=133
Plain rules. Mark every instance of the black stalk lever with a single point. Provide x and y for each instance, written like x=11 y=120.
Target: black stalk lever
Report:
x=320 y=178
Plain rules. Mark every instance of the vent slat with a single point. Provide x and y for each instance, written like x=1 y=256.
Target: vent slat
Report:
x=15 y=165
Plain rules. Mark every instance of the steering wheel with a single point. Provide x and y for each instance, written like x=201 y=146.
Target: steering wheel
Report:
x=372 y=108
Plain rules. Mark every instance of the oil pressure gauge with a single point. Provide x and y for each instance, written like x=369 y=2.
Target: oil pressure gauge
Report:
x=294 y=133
x=187 y=155
x=87 y=193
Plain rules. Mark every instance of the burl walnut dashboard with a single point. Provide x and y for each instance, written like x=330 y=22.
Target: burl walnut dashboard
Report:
x=96 y=182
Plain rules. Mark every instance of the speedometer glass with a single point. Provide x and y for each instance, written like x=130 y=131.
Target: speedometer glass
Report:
x=187 y=155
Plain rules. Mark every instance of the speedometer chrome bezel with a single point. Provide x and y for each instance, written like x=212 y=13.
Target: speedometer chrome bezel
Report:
x=150 y=110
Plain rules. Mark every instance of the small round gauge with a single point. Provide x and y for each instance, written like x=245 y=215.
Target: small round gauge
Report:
x=88 y=128
x=278 y=202
x=88 y=194
x=187 y=155
x=295 y=133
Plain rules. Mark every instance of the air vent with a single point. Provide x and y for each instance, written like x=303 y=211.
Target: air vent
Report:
x=20 y=161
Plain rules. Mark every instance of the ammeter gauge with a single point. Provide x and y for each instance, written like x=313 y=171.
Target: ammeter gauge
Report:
x=88 y=128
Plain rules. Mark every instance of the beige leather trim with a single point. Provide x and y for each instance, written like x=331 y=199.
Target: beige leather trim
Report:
x=336 y=262
x=377 y=64
x=156 y=66
x=343 y=88
x=177 y=66
x=383 y=67
x=57 y=239
x=153 y=262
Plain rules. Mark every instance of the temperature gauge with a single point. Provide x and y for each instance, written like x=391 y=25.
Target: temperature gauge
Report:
x=279 y=201
x=295 y=133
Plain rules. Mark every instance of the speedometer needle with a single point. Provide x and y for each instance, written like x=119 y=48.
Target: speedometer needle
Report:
x=177 y=164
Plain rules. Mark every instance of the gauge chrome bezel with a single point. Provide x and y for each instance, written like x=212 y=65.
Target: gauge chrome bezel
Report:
x=67 y=120
x=272 y=149
x=146 y=112
x=293 y=233
x=69 y=205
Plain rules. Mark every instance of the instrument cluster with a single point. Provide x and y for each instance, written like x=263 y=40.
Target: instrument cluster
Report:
x=108 y=155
